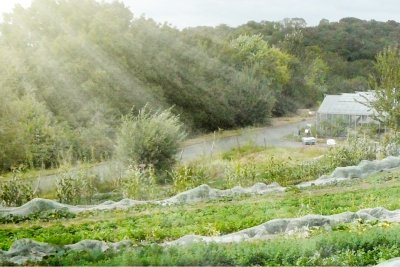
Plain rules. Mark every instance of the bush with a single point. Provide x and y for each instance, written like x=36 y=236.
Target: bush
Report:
x=15 y=192
x=351 y=154
x=150 y=138
x=187 y=177
x=78 y=189
x=139 y=183
x=241 y=174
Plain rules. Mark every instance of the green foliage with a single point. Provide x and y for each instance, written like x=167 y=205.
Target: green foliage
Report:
x=138 y=183
x=387 y=87
x=152 y=223
x=15 y=192
x=29 y=135
x=186 y=177
x=268 y=70
x=150 y=139
x=238 y=152
x=39 y=216
x=76 y=188
x=67 y=78
x=287 y=173
x=241 y=174
x=336 y=127
x=357 y=150
x=390 y=144
x=269 y=61
x=329 y=249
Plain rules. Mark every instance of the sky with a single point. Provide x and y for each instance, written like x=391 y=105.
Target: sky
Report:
x=189 y=13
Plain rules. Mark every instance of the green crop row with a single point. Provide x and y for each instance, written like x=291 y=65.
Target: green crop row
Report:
x=359 y=248
x=153 y=223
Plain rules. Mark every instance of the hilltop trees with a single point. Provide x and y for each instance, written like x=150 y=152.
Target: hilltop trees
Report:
x=266 y=70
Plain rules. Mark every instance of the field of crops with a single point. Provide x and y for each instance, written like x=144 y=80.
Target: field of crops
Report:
x=150 y=227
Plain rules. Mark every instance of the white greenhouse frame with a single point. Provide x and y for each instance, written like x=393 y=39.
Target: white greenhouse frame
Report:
x=353 y=109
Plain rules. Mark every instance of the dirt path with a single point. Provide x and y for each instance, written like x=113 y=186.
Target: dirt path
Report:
x=266 y=136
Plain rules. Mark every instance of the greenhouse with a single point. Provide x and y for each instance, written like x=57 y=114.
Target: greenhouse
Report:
x=339 y=112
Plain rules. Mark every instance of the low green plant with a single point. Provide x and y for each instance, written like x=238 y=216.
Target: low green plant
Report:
x=238 y=152
x=139 y=183
x=368 y=247
x=351 y=154
x=186 y=177
x=241 y=174
x=152 y=223
x=15 y=192
x=390 y=144
x=76 y=189
x=38 y=216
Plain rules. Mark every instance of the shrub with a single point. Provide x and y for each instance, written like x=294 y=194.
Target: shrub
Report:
x=15 y=192
x=138 y=183
x=241 y=174
x=187 y=177
x=350 y=154
x=78 y=189
x=390 y=144
x=150 y=138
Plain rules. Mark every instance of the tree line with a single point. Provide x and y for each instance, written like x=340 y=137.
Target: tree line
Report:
x=70 y=70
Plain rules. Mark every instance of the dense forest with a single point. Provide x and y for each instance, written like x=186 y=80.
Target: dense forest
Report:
x=71 y=69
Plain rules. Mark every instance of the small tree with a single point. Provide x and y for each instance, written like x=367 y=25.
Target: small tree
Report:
x=150 y=139
x=387 y=87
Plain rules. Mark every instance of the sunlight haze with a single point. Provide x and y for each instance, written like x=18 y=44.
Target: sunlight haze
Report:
x=189 y=13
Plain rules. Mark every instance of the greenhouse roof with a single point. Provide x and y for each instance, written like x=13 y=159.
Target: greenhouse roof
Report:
x=348 y=104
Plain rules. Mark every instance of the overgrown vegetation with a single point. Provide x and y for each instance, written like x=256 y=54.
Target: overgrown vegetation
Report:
x=245 y=166
x=47 y=216
x=86 y=81
x=76 y=189
x=15 y=192
x=88 y=64
x=288 y=172
x=386 y=84
x=152 y=223
x=138 y=183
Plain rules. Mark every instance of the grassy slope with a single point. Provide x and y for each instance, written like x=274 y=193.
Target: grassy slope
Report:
x=156 y=224
x=150 y=224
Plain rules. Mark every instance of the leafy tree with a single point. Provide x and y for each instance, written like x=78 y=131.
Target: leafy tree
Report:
x=266 y=67
x=386 y=84
x=29 y=135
